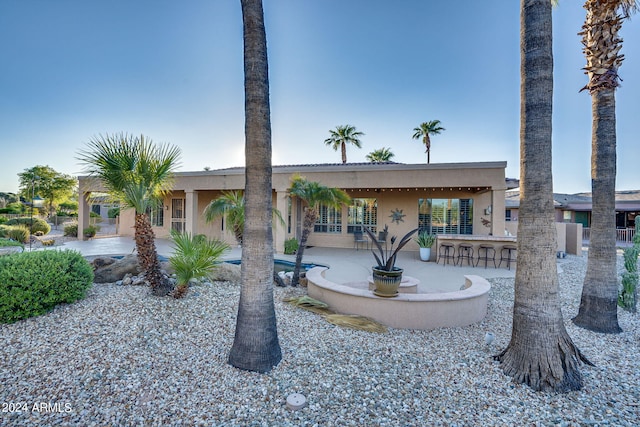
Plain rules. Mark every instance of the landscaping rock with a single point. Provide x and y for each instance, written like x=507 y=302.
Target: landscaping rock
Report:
x=109 y=270
x=226 y=272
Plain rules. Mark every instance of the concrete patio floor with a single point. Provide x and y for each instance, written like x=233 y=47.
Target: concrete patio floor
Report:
x=345 y=265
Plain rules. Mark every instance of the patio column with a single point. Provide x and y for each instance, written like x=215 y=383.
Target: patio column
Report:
x=280 y=232
x=497 y=213
x=191 y=212
x=83 y=214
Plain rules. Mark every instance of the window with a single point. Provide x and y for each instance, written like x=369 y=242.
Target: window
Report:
x=445 y=216
x=329 y=220
x=156 y=215
x=507 y=215
x=362 y=213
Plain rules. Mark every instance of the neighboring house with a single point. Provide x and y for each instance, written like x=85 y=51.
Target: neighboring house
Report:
x=576 y=208
x=452 y=198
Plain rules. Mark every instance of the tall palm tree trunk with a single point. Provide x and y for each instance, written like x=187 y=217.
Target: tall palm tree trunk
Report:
x=310 y=216
x=427 y=144
x=599 y=302
x=256 y=346
x=540 y=353
x=343 y=148
x=148 y=255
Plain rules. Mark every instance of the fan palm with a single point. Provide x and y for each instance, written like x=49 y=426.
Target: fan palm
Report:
x=255 y=345
x=231 y=205
x=424 y=131
x=313 y=194
x=380 y=155
x=194 y=257
x=540 y=353
x=342 y=136
x=598 y=305
x=138 y=173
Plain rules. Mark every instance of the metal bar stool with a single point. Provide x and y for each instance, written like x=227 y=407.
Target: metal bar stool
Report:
x=485 y=253
x=465 y=251
x=447 y=251
x=511 y=255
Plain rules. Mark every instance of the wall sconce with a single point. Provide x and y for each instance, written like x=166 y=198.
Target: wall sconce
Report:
x=487 y=211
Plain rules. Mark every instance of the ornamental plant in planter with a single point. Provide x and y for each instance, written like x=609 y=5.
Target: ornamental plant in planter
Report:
x=386 y=276
x=425 y=241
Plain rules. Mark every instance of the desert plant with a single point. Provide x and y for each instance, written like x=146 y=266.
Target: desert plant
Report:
x=425 y=240
x=627 y=296
x=290 y=246
x=71 y=229
x=19 y=233
x=113 y=212
x=32 y=283
x=194 y=257
x=3 y=219
x=38 y=224
x=4 y=242
x=387 y=259
x=48 y=242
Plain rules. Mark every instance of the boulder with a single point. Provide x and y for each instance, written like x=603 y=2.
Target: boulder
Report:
x=226 y=272
x=109 y=270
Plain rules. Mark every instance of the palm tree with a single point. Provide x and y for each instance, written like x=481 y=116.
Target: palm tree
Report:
x=313 y=194
x=255 y=345
x=380 y=155
x=138 y=174
x=424 y=131
x=342 y=136
x=194 y=257
x=540 y=354
x=598 y=305
x=231 y=205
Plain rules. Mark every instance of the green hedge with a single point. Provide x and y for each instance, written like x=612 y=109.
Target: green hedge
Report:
x=32 y=283
x=38 y=224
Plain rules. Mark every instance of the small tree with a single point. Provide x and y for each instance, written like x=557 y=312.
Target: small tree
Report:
x=313 y=194
x=44 y=181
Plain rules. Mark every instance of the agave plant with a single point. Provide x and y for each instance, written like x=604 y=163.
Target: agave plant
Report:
x=194 y=257
x=387 y=258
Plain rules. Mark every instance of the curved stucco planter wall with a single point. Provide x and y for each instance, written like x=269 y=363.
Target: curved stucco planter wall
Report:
x=407 y=311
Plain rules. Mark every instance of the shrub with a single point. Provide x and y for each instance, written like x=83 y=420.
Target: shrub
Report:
x=38 y=224
x=90 y=231
x=290 y=246
x=71 y=229
x=48 y=242
x=3 y=219
x=19 y=233
x=113 y=212
x=32 y=283
x=4 y=242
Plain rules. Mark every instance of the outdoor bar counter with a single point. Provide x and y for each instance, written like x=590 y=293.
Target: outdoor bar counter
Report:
x=475 y=240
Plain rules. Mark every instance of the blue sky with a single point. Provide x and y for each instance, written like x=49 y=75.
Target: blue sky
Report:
x=73 y=69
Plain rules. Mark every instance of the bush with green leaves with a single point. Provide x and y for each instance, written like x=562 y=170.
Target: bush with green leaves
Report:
x=33 y=283
x=291 y=246
x=4 y=242
x=91 y=231
x=113 y=212
x=39 y=224
x=628 y=297
x=3 y=219
x=71 y=229
x=19 y=233
x=194 y=257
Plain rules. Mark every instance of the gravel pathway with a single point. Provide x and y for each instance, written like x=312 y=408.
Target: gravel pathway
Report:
x=123 y=358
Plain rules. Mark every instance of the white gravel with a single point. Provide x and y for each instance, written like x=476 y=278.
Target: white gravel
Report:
x=123 y=358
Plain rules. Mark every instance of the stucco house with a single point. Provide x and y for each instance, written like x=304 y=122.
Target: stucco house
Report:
x=445 y=198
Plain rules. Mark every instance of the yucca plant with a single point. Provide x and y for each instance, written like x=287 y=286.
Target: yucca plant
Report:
x=387 y=259
x=194 y=257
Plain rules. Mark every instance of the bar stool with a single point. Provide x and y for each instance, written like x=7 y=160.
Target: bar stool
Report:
x=485 y=253
x=511 y=255
x=465 y=251
x=447 y=251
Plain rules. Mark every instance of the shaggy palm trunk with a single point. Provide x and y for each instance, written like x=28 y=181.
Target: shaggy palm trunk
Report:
x=148 y=256
x=256 y=346
x=427 y=144
x=599 y=302
x=310 y=216
x=540 y=353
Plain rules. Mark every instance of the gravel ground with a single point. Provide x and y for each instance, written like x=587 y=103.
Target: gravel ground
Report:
x=123 y=358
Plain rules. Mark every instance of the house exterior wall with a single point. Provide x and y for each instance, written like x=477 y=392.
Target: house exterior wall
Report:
x=396 y=187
